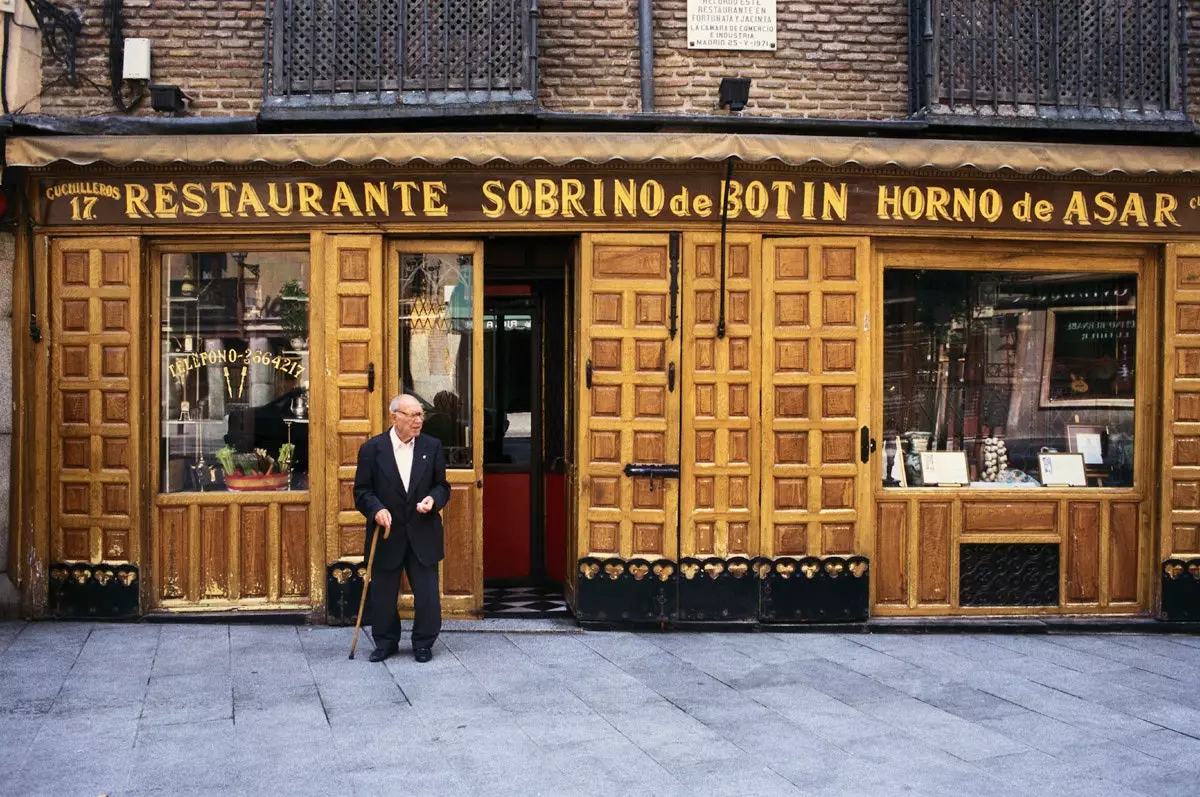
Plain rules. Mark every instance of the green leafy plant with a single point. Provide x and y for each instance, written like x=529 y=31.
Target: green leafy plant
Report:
x=293 y=314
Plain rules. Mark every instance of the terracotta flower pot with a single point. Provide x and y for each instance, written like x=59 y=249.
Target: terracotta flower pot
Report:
x=270 y=481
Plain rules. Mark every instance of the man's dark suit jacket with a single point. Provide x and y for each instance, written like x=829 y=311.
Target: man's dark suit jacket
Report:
x=377 y=485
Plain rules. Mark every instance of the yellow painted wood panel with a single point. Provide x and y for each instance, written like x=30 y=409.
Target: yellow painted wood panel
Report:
x=815 y=365
x=720 y=391
x=630 y=410
x=95 y=342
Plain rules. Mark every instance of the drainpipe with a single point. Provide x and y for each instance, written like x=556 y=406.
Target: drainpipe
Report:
x=646 y=45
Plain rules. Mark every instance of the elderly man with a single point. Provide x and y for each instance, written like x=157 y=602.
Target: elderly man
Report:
x=400 y=488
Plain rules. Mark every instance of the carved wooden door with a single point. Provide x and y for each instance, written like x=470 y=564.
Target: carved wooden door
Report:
x=628 y=412
x=435 y=352
x=815 y=366
x=96 y=406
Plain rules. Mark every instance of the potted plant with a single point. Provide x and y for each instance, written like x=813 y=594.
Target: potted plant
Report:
x=256 y=470
x=293 y=314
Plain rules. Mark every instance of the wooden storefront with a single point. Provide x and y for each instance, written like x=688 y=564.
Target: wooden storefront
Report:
x=740 y=405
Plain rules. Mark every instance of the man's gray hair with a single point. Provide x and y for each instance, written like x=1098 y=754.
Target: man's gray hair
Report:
x=394 y=404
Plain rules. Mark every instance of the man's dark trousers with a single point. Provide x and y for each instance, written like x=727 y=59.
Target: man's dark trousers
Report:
x=383 y=593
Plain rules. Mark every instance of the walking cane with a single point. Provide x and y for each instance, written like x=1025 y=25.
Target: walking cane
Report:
x=362 y=602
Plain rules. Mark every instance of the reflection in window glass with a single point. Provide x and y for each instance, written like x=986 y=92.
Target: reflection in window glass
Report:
x=508 y=388
x=1010 y=368
x=436 y=306
x=235 y=371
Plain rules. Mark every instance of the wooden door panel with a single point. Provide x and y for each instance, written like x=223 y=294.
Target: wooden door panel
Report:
x=631 y=413
x=96 y=402
x=719 y=473
x=815 y=362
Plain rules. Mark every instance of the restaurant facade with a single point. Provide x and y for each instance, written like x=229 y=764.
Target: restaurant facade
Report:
x=693 y=378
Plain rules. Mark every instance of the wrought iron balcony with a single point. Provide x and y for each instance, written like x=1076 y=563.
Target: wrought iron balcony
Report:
x=1079 y=62
x=399 y=56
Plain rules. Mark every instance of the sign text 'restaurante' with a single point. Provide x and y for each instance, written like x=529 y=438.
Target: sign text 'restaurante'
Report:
x=591 y=200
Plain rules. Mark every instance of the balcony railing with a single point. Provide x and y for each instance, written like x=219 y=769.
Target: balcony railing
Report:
x=1109 y=62
x=413 y=56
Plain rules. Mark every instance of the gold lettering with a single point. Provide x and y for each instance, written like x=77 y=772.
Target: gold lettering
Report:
x=888 y=207
x=1106 y=208
x=783 y=197
x=310 y=199
x=679 y=204
x=1164 y=210
x=491 y=193
x=624 y=198
x=834 y=201
x=273 y=198
x=598 y=197
x=432 y=194
x=1043 y=210
x=964 y=204
x=912 y=202
x=1135 y=207
x=249 y=199
x=1077 y=212
x=406 y=188
x=223 y=191
x=545 y=198
x=702 y=205
x=990 y=204
x=375 y=197
x=520 y=198
x=195 y=203
x=939 y=199
x=164 y=201
x=343 y=197
x=757 y=199
x=652 y=197
x=732 y=192
x=136 y=197
x=572 y=198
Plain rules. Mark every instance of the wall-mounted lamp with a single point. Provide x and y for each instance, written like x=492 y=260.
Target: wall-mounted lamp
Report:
x=733 y=93
x=168 y=99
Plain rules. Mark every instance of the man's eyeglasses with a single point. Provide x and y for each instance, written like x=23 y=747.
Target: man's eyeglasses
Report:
x=412 y=415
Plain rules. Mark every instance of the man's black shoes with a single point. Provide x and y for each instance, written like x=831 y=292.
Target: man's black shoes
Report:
x=422 y=655
x=379 y=654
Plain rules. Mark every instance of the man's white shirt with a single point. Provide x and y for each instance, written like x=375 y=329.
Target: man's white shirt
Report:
x=404 y=456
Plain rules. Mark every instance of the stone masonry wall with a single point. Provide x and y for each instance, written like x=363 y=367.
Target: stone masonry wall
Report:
x=211 y=49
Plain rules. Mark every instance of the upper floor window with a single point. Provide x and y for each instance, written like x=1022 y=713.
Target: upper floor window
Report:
x=1087 y=61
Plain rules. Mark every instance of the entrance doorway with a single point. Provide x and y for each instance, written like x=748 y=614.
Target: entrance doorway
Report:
x=525 y=417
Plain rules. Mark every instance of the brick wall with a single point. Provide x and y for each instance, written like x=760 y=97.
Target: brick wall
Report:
x=1194 y=62
x=845 y=59
x=212 y=49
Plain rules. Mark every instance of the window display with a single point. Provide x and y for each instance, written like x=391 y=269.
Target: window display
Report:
x=235 y=371
x=1008 y=367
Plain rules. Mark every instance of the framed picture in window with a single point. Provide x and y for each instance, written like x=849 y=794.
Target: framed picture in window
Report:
x=1090 y=357
x=944 y=468
x=1062 y=470
x=1088 y=440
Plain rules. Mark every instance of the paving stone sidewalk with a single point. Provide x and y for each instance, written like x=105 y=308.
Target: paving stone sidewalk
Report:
x=92 y=709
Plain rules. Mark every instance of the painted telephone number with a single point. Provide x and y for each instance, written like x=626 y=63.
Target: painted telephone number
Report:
x=184 y=363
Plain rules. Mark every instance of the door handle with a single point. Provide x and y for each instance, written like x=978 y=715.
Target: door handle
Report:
x=370 y=377
x=587 y=373
x=866 y=444
x=671 y=377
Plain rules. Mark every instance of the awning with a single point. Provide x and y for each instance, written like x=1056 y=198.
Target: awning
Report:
x=561 y=149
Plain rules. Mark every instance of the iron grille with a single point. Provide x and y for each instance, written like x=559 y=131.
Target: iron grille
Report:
x=416 y=53
x=1106 y=61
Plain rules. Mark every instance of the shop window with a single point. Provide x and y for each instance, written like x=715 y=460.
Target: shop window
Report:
x=436 y=312
x=235 y=371
x=1008 y=379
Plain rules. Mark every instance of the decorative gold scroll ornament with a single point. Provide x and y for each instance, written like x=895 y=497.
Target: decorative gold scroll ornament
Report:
x=639 y=571
x=763 y=569
x=1173 y=570
x=614 y=570
x=663 y=572
x=342 y=574
x=103 y=575
x=835 y=568
x=809 y=569
x=589 y=570
x=785 y=569
x=858 y=568
x=689 y=570
x=1194 y=570
x=714 y=569
x=126 y=577
x=738 y=569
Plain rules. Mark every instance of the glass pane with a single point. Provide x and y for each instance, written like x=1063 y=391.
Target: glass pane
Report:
x=508 y=399
x=234 y=390
x=1030 y=375
x=436 y=310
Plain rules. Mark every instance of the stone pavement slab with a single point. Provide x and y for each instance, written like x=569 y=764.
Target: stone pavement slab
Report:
x=530 y=709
